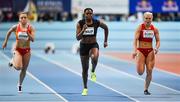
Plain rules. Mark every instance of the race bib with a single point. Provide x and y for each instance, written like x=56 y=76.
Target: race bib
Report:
x=89 y=31
x=22 y=36
x=148 y=33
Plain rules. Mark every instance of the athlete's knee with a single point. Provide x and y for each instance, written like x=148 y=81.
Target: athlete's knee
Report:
x=18 y=67
x=140 y=72
x=94 y=58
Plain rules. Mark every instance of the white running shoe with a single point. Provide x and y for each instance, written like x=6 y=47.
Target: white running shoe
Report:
x=19 y=87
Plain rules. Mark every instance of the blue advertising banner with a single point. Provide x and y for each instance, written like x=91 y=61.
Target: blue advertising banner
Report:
x=53 y=5
x=155 y=6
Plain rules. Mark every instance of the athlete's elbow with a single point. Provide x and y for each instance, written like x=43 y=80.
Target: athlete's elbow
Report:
x=32 y=40
x=78 y=38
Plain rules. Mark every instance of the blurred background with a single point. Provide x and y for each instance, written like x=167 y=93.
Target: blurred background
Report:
x=108 y=10
x=56 y=20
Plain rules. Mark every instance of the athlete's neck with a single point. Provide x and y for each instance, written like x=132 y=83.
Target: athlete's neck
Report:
x=147 y=25
x=88 y=21
x=23 y=25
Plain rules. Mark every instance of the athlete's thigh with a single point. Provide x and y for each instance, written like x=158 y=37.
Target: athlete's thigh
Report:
x=140 y=61
x=150 y=61
x=17 y=59
x=26 y=59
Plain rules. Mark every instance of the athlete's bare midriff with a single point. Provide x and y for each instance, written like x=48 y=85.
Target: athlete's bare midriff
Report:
x=89 y=40
x=22 y=44
x=143 y=44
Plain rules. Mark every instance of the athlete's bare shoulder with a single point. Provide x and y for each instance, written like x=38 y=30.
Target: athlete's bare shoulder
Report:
x=31 y=26
x=103 y=25
x=156 y=30
x=139 y=28
x=13 y=28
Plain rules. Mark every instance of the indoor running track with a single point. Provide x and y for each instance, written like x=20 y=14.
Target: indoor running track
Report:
x=57 y=78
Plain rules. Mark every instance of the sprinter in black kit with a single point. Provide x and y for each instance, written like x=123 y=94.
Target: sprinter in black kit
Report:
x=86 y=32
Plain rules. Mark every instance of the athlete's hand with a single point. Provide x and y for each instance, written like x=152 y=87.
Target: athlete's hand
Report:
x=156 y=50
x=28 y=33
x=84 y=27
x=4 y=45
x=105 y=44
x=134 y=54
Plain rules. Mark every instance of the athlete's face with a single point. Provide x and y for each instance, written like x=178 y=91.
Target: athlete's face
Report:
x=148 y=18
x=88 y=14
x=23 y=18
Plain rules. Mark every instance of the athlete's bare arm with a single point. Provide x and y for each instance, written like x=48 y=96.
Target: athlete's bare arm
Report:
x=12 y=29
x=79 y=31
x=136 y=38
x=32 y=35
x=106 y=31
x=157 y=40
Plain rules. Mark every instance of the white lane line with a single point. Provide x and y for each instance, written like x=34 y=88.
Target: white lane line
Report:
x=50 y=89
x=36 y=79
x=65 y=67
x=116 y=70
x=133 y=76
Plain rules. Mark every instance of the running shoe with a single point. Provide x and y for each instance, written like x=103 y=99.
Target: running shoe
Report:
x=10 y=64
x=93 y=76
x=84 y=92
x=19 y=88
x=146 y=92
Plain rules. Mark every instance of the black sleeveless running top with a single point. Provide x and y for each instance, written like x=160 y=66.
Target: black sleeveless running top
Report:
x=92 y=29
